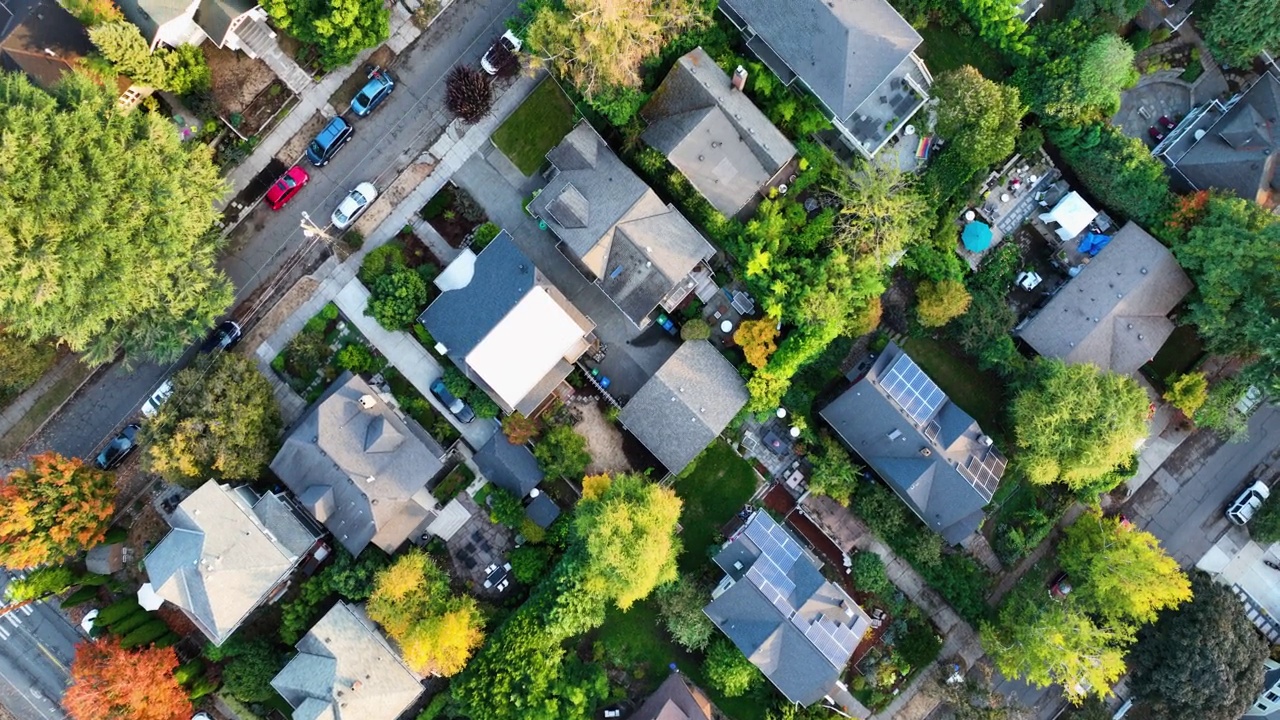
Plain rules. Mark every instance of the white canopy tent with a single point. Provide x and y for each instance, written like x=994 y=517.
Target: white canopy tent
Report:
x=1072 y=214
x=148 y=598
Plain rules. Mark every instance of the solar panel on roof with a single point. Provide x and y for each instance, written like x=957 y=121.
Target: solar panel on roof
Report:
x=912 y=390
x=984 y=473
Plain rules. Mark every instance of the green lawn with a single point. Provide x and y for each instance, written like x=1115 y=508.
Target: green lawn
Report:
x=544 y=118
x=977 y=393
x=717 y=487
x=945 y=49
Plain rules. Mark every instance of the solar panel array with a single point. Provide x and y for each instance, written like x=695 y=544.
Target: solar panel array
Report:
x=983 y=473
x=912 y=390
x=778 y=553
x=836 y=642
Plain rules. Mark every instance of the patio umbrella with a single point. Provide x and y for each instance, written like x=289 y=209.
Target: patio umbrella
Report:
x=148 y=598
x=976 y=236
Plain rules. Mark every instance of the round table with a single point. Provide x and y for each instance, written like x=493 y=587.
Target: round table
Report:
x=726 y=326
x=909 y=130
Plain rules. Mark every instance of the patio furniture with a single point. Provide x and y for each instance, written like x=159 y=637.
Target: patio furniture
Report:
x=726 y=326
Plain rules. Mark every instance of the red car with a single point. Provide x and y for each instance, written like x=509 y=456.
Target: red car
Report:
x=286 y=187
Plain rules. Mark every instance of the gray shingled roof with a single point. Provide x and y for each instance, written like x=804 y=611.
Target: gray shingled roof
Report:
x=542 y=510
x=227 y=550
x=1239 y=152
x=714 y=134
x=611 y=222
x=841 y=49
x=891 y=442
x=510 y=467
x=686 y=404
x=346 y=670
x=1114 y=313
x=215 y=16
x=676 y=699
x=149 y=15
x=363 y=473
x=461 y=318
x=779 y=611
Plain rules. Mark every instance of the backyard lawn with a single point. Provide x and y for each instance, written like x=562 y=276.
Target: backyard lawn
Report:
x=544 y=118
x=981 y=394
x=945 y=49
x=717 y=488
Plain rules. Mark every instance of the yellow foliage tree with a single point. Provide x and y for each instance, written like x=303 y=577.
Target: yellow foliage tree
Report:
x=443 y=644
x=757 y=339
x=938 y=303
x=595 y=486
x=1188 y=392
x=437 y=631
x=628 y=534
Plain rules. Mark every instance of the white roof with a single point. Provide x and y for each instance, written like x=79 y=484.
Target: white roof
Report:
x=521 y=349
x=1072 y=214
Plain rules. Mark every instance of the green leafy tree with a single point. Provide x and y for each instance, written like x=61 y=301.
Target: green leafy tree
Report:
x=1074 y=423
x=938 y=303
x=881 y=213
x=979 y=117
x=93 y=12
x=506 y=507
x=122 y=44
x=396 y=300
x=1202 y=661
x=1111 y=12
x=562 y=452
x=39 y=583
x=436 y=630
x=529 y=563
x=1187 y=392
x=869 y=574
x=999 y=22
x=21 y=364
x=1265 y=526
x=133 y=266
x=55 y=509
x=680 y=604
x=627 y=534
x=1237 y=32
x=482 y=405
x=728 y=670
x=834 y=473
x=186 y=69
x=223 y=423
x=338 y=30
x=1120 y=572
x=1118 y=169
x=249 y=667
x=1046 y=642
x=1076 y=75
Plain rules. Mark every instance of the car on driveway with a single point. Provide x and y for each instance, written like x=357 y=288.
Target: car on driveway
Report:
x=157 y=398
x=460 y=410
x=330 y=140
x=1242 y=510
x=293 y=180
x=118 y=449
x=379 y=88
x=223 y=337
x=353 y=204
x=492 y=60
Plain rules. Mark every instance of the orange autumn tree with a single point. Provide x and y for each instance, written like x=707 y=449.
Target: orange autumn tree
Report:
x=111 y=683
x=57 y=508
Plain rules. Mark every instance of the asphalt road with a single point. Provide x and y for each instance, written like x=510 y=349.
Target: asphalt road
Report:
x=393 y=136
x=37 y=644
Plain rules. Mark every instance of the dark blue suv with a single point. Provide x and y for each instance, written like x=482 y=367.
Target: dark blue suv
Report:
x=329 y=142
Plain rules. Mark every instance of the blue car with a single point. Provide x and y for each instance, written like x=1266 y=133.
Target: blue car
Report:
x=329 y=142
x=373 y=93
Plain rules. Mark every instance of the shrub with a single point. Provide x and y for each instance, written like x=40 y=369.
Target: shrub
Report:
x=484 y=235
x=529 y=563
x=1187 y=392
x=128 y=623
x=680 y=604
x=1140 y=40
x=728 y=670
x=355 y=241
x=695 y=329
x=385 y=260
x=532 y=531
x=397 y=299
x=117 y=610
x=505 y=508
x=938 y=303
x=82 y=595
x=203 y=686
x=483 y=405
x=468 y=93
x=40 y=582
x=144 y=634
x=1029 y=140
x=869 y=574
x=562 y=453
x=189 y=671
x=358 y=358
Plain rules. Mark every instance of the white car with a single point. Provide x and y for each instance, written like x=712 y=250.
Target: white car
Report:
x=1246 y=506
x=157 y=398
x=353 y=204
x=508 y=41
x=87 y=623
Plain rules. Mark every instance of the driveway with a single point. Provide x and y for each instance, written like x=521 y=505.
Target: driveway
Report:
x=384 y=143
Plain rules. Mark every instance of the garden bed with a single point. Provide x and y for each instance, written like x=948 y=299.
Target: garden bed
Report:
x=263 y=111
x=454 y=214
x=326 y=346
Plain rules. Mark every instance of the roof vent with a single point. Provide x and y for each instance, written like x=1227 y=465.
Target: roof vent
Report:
x=1144 y=271
x=895 y=434
x=985 y=440
x=925 y=452
x=369 y=479
x=367 y=402
x=1139 y=336
x=737 y=564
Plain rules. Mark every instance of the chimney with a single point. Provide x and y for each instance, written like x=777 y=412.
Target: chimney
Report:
x=926 y=452
x=367 y=402
x=739 y=80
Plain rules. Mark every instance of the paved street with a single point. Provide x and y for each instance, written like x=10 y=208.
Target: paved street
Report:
x=36 y=647
x=384 y=143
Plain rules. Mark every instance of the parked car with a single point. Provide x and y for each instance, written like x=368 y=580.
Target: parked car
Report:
x=353 y=204
x=223 y=337
x=1060 y=587
x=507 y=43
x=86 y=623
x=460 y=410
x=293 y=180
x=157 y=398
x=330 y=140
x=1156 y=133
x=1242 y=510
x=379 y=88
x=118 y=449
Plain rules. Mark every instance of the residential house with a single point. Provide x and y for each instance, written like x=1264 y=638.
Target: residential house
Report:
x=710 y=131
x=45 y=41
x=679 y=411
x=345 y=669
x=505 y=326
x=676 y=699
x=857 y=57
x=1231 y=146
x=793 y=624
x=639 y=250
x=361 y=468
x=514 y=469
x=230 y=550
x=1267 y=706
x=932 y=453
x=1115 y=313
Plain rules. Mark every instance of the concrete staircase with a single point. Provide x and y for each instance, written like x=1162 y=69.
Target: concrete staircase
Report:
x=257 y=40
